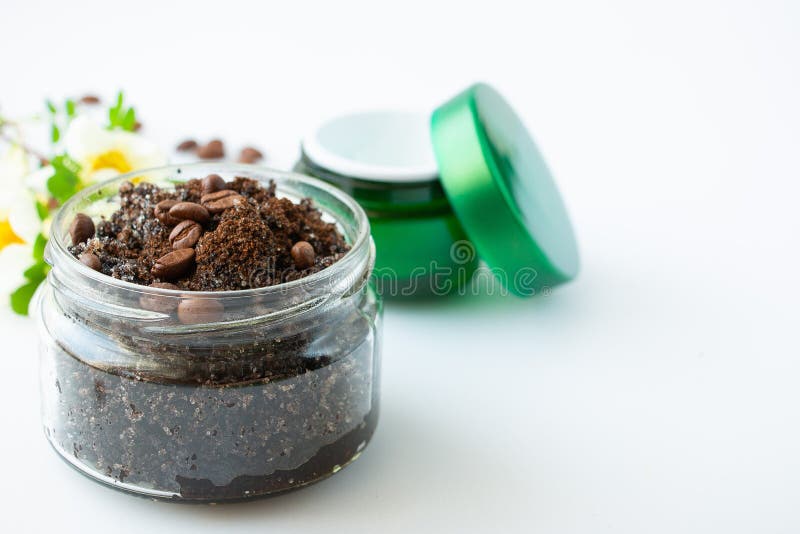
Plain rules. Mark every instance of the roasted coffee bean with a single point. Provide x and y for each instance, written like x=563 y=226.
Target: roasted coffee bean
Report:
x=90 y=99
x=213 y=150
x=189 y=210
x=216 y=195
x=185 y=235
x=158 y=303
x=81 y=229
x=173 y=265
x=303 y=255
x=213 y=183
x=250 y=155
x=90 y=260
x=198 y=311
x=221 y=200
x=187 y=146
x=161 y=212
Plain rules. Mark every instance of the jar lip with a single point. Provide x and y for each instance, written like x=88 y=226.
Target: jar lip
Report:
x=353 y=145
x=362 y=240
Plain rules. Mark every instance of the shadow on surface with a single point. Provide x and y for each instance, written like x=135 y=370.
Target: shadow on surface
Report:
x=411 y=456
x=487 y=297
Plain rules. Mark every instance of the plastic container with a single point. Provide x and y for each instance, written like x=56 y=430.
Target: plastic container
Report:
x=385 y=161
x=445 y=189
x=280 y=393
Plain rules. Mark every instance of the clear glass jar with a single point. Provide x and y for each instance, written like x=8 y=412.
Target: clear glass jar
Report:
x=281 y=392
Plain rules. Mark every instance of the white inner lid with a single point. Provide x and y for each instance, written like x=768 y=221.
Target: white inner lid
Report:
x=383 y=146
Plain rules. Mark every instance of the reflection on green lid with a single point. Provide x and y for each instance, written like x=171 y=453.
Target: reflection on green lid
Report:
x=503 y=192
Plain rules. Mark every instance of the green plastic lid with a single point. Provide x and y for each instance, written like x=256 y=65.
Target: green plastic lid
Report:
x=502 y=192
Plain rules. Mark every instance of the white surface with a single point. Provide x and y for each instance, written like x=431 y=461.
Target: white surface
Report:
x=377 y=145
x=658 y=393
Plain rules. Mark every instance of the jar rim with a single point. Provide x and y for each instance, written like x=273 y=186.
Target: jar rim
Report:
x=354 y=145
x=57 y=244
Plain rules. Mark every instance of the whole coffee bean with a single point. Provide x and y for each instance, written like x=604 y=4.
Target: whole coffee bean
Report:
x=161 y=211
x=173 y=265
x=216 y=195
x=198 y=311
x=303 y=255
x=90 y=260
x=90 y=99
x=187 y=146
x=189 y=210
x=213 y=183
x=158 y=303
x=250 y=155
x=81 y=229
x=213 y=150
x=185 y=235
x=221 y=200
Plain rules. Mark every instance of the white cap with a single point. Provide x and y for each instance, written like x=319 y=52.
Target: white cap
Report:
x=380 y=146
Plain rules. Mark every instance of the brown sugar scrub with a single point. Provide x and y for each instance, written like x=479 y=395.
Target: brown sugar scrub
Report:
x=210 y=340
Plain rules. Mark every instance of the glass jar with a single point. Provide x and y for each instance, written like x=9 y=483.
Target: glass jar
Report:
x=280 y=392
x=384 y=160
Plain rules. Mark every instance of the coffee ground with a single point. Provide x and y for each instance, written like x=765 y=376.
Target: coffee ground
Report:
x=246 y=245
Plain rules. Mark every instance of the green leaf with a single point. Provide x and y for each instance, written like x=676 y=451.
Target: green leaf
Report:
x=21 y=297
x=129 y=120
x=115 y=112
x=37 y=272
x=62 y=186
x=42 y=210
x=65 y=181
x=66 y=163
x=69 y=107
x=50 y=106
x=120 y=116
x=55 y=133
x=38 y=247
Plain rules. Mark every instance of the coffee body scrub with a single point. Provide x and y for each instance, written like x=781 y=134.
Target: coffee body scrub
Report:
x=209 y=332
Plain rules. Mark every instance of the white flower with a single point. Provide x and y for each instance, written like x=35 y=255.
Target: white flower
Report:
x=36 y=181
x=19 y=222
x=14 y=165
x=105 y=153
x=14 y=259
x=22 y=216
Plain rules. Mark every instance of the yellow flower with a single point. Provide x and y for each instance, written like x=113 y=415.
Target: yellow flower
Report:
x=105 y=153
x=7 y=234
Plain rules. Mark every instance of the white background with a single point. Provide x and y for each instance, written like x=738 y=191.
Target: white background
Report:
x=658 y=393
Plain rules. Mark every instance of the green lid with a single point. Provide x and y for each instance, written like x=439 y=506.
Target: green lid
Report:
x=502 y=191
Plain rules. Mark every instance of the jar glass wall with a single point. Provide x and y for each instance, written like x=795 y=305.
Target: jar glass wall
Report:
x=278 y=393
